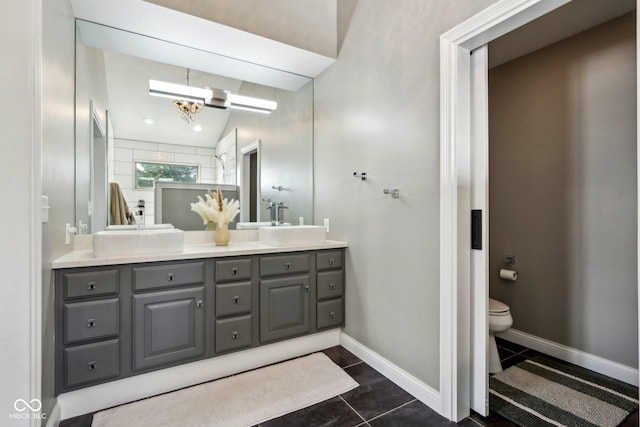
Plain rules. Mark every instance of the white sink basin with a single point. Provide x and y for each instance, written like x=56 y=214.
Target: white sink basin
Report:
x=134 y=242
x=292 y=235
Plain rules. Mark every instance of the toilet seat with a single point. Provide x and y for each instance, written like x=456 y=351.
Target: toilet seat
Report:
x=497 y=308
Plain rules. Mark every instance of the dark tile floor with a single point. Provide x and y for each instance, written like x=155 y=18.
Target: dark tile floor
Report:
x=510 y=354
x=378 y=402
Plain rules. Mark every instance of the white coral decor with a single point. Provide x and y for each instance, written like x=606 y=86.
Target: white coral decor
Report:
x=216 y=209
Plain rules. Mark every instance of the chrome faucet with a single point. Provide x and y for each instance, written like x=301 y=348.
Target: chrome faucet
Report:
x=139 y=215
x=273 y=210
x=281 y=208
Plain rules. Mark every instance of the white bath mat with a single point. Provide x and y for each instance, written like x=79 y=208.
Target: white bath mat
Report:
x=241 y=400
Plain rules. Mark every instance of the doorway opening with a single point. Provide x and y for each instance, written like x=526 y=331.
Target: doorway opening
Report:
x=249 y=172
x=464 y=175
x=97 y=206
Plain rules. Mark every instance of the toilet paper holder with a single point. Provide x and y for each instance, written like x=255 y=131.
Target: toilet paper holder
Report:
x=510 y=259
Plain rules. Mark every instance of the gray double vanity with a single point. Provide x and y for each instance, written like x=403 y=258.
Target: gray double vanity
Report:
x=119 y=315
x=118 y=319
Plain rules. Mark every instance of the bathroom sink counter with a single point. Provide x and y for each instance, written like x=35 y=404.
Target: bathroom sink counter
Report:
x=195 y=247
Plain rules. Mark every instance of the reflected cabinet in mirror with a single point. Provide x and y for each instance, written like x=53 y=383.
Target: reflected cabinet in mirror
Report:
x=128 y=141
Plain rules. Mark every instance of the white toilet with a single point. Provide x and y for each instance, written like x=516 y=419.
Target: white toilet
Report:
x=499 y=320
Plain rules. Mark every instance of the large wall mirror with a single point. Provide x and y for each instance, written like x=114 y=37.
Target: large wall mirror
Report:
x=126 y=137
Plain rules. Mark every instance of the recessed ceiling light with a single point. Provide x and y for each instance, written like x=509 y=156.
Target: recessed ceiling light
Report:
x=148 y=121
x=197 y=128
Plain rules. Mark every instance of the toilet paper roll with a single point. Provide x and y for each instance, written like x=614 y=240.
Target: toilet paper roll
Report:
x=508 y=274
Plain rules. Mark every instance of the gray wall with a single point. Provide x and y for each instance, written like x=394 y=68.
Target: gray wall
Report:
x=562 y=126
x=377 y=111
x=57 y=163
x=313 y=26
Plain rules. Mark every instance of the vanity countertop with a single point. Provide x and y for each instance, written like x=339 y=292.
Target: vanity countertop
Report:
x=84 y=257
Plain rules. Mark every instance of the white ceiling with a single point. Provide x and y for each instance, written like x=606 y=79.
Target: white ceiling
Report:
x=129 y=102
x=566 y=21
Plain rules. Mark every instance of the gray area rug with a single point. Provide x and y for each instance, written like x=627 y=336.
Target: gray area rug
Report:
x=240 y=400
x=546 y=392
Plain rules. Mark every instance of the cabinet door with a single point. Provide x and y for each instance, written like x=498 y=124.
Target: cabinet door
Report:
x=168 y=327
x=284 y=307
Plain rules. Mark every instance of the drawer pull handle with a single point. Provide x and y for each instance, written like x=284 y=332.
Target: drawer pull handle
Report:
x=234 y=271
x=332 y=315
x=287 y=266
x=235 y=335
x=92 y=365
x=332 y=261
x=91 y=323
x=199 y=303
x=307 y=289
x=236 y=300
x=332 y=286
x=91 y=286
x=170 y=277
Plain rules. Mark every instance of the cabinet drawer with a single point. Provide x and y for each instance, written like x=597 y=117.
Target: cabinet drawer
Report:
x=88 y=320
x=330 y=284
x=169 y=275
x=284 y=264
x=91 y=363
x=233 y=298
x=328 y=260
x=233 y=269
x=90 y=283
x=233 y=333
x=329 y=313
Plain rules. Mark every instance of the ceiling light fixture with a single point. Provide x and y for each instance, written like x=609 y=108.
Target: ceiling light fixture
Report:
x=187 y=100
x=148 y=121
x=216 y=98
x=197 y=128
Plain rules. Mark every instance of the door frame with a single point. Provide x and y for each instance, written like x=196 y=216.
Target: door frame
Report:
x=243 y=181
x=98 y=211
x=456 y=113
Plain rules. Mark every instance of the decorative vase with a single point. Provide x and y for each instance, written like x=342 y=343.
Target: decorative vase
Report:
x=211 y=226
x=221 y=235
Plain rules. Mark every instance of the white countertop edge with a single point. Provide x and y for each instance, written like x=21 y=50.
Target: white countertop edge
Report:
x=85 y=258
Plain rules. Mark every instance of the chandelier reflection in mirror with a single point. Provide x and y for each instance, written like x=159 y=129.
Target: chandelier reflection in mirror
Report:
x=190 y=100
x=188 y=109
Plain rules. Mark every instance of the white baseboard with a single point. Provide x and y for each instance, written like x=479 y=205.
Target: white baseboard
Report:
x=399 y=376
x=595 y=363
x=53 y=418
x=102 y=396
